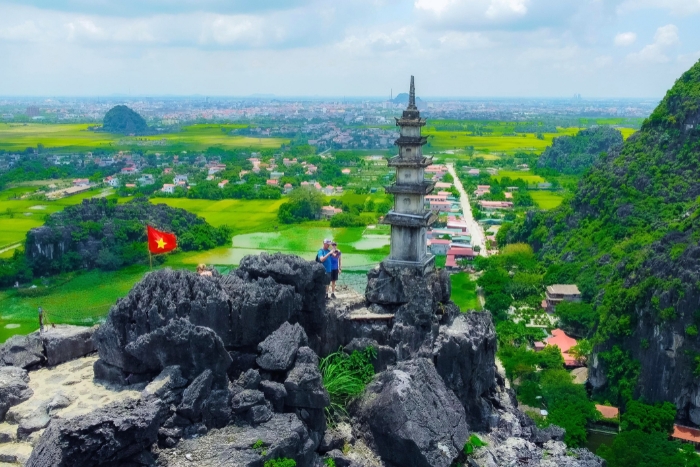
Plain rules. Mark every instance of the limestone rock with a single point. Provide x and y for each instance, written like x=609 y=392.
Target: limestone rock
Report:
x=23 y=351
x=411 y=418
x=63 y=343
x=246 y=399
x=193 y=348
x=168 y=385
x=194 y=396
x=114 y=433
x=304 y=386
x=464 y=355
x=250 y=379
x=275 y=393
x=284 y=435
x=14 y=388
x=15 y=453
x=279 y=349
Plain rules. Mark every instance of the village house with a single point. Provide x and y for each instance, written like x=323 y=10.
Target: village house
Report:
x=305 y=184
x=430 y=198
x=111 y=181
x=440 y=206
x=180 y=179
x=222 y=183
x=146 y=179
x=131 y=170
x=443 y=185
x=130 y=185
x=558 y=293
x=377 y=161
x=287 y=188
x=686 y=434
x=271 y=182
x=455 y=254
x=276 y=175
x=287 y=162
x=508 y=195
x=215 y=168
x=564 y=342
x=474 y=172
x=438 y=246
x=168 y=170
x=345 y=171
x=168 y=188
x=460 y=226
x=489 y=205
x=81 y=182
x=329 y=211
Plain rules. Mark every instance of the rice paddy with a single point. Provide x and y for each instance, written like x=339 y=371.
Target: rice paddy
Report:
x=546 y=199
x=77 y=137
x=526 y=176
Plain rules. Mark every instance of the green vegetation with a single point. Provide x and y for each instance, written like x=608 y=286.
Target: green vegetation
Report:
x=644 y=439
x=281 y=462
x=123 y=120
x=303 y=204
x=472 y=444
x=575 y=154
x=628 y=238
x=345 y=377
x=329 y=462
x=464 y=292
x=546 y=199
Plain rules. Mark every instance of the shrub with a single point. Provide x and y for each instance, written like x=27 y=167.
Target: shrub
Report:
x=345 y=376
x=472 y=443
x=281 y=462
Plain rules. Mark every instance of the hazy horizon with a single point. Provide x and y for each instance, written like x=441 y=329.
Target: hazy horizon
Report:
x=458 y=49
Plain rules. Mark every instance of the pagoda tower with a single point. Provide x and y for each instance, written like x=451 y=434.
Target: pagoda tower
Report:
x=409 y=219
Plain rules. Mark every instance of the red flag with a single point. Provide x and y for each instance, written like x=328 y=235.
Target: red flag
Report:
x=160 y=242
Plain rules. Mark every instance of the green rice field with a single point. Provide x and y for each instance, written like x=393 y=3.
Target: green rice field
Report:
x=526 y=176
x=464 y=292
x=546 y=199
x=77 y=137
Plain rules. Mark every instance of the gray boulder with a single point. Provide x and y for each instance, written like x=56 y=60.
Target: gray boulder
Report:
x=411 y=418
x=275 y=393
x=216 y=410
x=304 y=386
x=112 y=434
x=250 y=379
x=464 y=355
x=14 y=388
x=194 y=396
x=23 y=351
x=64 y=343
x=246 y=399
x=193 y=348
x=284 y=435
x=279 y=349
x=167 y=386
x=386 y=356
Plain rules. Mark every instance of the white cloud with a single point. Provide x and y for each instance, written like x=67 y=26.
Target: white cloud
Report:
x=665 y=37
x=500 y=8
x=473 y=11
x=625 y=39
x=676 y=7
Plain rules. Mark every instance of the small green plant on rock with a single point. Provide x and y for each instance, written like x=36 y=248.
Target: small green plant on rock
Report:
x=329 y=462
x=472 y=443
x=345 y=377
x=281 y=462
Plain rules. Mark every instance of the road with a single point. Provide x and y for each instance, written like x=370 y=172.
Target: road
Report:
x=477 y=233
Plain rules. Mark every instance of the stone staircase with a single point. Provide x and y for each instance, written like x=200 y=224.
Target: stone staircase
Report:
x=352 y=306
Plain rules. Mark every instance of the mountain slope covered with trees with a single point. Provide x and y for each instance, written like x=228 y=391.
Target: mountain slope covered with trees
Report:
x=629 y=239
x=121 y=119
x=575 y=154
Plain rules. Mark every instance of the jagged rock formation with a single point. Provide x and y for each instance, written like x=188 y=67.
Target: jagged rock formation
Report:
x=101 y=233
x=628 y=238
x=13 y=388
x=223 y=362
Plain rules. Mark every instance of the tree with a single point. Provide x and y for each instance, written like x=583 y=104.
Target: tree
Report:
x=550 y=358
x=579 y=319
x=304 y=204
x=581 y=350
x=648 y=418
x=640 y=449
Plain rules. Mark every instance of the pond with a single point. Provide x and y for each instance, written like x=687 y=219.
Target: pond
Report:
x=597 y=438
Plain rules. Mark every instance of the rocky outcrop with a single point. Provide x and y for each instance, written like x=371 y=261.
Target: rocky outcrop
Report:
x=282 y=436
x=64 y=343
x=279 y=349
x=23 y=351
x=464 y=354
x=410 y=417
x=112 y=435
x=13 y=388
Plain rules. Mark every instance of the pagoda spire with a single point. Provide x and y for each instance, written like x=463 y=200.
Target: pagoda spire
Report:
x=412 y=96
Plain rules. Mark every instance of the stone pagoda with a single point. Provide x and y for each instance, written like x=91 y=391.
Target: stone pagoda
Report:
x=409 y=219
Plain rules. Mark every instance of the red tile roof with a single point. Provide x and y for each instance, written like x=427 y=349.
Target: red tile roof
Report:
x=607 y=411
x=686 y=433
x=564 y=342
x=455 y=251
x=450 y=262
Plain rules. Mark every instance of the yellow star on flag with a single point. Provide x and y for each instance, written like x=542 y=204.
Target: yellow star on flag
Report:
x=161 y=243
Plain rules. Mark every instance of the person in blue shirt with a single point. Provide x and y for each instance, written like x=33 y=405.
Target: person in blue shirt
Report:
x=324 y=257
x=335 y=266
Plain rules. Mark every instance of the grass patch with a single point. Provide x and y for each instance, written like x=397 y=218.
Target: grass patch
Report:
x=546 y=199
x=345 y=377
x=526 y=176
x=464 y=292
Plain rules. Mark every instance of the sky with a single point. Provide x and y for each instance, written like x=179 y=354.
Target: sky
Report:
x=455 y=48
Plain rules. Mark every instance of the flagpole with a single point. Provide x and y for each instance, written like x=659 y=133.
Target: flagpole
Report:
x=150 y=257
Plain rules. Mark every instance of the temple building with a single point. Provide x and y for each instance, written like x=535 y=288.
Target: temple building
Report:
x=409 y=219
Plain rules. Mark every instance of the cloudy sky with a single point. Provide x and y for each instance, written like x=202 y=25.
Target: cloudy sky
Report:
x=470 y=48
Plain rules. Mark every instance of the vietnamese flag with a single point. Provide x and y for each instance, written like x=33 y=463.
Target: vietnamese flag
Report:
x=160 y=242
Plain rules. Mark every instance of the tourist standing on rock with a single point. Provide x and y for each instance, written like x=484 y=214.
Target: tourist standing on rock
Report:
x=335 y=266
x=324 y=257
x=202 y=270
